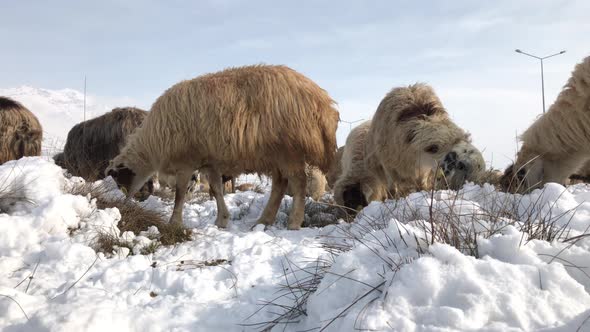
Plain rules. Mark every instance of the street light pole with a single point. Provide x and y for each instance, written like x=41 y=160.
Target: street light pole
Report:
x=542 y=85
x=542 y=75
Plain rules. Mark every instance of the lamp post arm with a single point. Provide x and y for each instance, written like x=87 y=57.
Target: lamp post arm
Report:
x=525 y=53
x=552 y=55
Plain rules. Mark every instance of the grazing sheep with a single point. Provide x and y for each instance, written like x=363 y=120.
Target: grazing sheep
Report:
x=265 y=119
x=410 y=135
x=557 y=144
x=315 y=183
x=93 y=143
x=335 y=169
x=21 y=133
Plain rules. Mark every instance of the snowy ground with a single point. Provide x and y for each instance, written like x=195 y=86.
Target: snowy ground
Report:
x=381 y=272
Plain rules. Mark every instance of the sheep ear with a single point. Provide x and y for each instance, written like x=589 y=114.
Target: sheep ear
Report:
x=419 y=112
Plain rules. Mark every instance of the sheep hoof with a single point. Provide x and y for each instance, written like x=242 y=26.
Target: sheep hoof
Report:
x=221 y=222
x=255 y=226
x=265 y=221
x=175 y=221
x=293 y=227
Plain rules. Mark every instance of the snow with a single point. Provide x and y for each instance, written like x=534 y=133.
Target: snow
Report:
x=381 y=272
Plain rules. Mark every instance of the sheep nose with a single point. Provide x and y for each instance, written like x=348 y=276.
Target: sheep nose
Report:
x=464 y=167
x=461 y=166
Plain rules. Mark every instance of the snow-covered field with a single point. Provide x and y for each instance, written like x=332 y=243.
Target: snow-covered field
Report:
x=381 y=272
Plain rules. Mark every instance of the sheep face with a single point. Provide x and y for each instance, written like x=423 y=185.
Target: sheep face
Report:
x=25 y=142
x=524 y=175
x=520 y=179
x=440 y=143
x=354 y=197
x=127 y=179
x=463 y=163
x=59 y=160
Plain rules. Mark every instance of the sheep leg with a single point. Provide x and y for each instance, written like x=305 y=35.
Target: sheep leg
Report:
x=559 y=171
x=279 y=187
x=298 y=183
x=216 y=187
x=182 y=179
x=374 y=190
x=339 y=189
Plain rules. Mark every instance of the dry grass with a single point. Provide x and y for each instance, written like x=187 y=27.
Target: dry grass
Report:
x=10 y=194
x=491 y=176
x=134 y=218
x=451 y=222
x=324 y=213
x=299 y=284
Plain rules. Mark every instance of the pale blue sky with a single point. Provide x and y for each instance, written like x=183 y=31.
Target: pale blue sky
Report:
x=356 y=50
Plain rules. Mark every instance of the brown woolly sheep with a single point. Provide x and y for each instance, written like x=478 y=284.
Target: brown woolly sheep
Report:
x=557 y=144
x=21 y=133
x=265 y=119
x=335 y=169
x=410 y=135
x=93 y=143
x=315 y=185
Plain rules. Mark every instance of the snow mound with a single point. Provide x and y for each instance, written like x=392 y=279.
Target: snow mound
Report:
x=442 y=289
x=382 y=272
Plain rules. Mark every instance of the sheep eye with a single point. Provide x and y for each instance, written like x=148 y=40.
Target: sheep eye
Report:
x=520 y=174
x=432 y=149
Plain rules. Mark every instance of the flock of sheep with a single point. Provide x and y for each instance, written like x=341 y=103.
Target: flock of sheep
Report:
x=273 y=120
